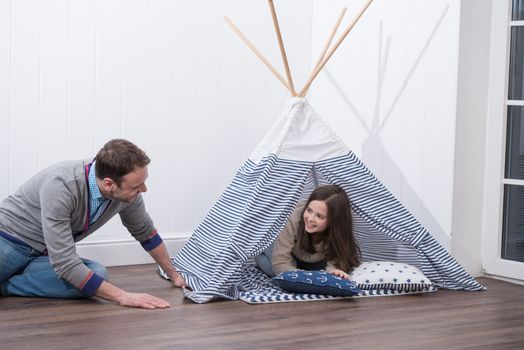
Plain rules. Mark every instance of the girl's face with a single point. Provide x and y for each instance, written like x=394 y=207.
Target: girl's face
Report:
x=316 y=217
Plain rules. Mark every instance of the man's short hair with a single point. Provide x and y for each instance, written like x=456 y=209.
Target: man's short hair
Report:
x=118 y=158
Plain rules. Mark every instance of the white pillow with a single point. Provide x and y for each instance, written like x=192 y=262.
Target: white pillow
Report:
x=390 y=275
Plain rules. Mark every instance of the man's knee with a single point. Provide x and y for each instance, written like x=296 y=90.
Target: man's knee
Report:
x=97 y=268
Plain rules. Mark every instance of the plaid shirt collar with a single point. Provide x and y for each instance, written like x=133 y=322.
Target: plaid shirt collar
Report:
x=97 y=202
x=94 y=192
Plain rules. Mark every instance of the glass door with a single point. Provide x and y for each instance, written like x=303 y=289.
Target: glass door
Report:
x=504 y=229
x=513 y=211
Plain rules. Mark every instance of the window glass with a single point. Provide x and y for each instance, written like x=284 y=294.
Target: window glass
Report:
x=516 y=64
x=515 y=143
x=513 y=226
x=518 y=10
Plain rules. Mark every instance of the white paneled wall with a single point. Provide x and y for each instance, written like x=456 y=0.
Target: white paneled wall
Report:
x=5 y=93
x=167 y=75
x=173 y=78
x=390 y=92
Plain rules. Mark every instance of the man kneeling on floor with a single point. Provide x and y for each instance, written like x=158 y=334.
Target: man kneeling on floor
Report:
x=63 y=204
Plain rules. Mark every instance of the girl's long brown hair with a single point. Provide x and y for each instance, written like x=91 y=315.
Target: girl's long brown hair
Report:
x=338 y=241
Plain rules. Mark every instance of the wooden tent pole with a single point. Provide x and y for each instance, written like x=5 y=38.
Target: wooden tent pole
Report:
x=330 y=38
x=282 y=49
x=257 y=53
x=317 y=70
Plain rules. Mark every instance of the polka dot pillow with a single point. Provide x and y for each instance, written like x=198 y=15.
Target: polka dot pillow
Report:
x=390 y=275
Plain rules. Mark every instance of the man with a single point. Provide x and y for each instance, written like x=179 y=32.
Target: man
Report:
x=61 y=205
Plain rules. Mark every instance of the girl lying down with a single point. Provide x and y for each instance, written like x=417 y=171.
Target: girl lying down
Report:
x=318 y=236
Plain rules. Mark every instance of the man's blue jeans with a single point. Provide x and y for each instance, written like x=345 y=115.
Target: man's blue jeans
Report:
x=25 y=272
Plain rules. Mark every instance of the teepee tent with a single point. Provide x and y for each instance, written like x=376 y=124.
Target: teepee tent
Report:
x=299 y=153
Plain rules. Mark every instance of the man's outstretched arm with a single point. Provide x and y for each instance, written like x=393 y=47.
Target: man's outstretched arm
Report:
x=159 y=253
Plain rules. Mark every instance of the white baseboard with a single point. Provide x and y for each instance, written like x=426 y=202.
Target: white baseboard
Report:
x=127 y=251
x=505 y=279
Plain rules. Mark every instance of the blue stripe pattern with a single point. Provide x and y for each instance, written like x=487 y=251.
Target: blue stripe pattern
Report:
x=256 y=205
x=259 y=289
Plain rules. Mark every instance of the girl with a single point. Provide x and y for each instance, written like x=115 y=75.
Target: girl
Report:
x=319 y=235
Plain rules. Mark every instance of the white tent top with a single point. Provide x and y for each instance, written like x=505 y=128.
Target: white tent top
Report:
x=299 y=134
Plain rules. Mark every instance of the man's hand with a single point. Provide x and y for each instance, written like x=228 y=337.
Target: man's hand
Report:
x=111 y=292
x=162 y=258
x=177 y=279
x=142 y=300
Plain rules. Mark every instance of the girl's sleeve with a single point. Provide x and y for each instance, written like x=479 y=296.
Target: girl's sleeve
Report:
x=281 y=258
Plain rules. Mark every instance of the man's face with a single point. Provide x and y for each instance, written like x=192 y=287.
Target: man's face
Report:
x=130 y=187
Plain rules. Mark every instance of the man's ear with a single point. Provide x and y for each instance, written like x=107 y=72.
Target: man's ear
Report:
x=108 y=184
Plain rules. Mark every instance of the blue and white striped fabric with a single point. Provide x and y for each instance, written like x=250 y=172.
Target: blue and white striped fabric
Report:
x=260 y=289
x=299 y=154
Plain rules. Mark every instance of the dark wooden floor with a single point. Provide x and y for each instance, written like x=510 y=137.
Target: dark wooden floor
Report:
x=493 y=319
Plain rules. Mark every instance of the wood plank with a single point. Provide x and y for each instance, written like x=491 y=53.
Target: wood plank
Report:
x=446 y=319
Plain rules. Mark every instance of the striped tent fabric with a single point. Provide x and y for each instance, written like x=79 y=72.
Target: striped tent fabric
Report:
x=298 y=154
x=259 y=289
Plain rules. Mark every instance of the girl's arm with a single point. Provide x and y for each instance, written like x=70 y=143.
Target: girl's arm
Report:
x=281 y=258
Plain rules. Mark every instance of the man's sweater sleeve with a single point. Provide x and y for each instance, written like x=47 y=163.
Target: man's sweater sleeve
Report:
x=137 y=221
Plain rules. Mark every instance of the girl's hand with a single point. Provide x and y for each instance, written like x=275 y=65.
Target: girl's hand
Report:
x=340 y=274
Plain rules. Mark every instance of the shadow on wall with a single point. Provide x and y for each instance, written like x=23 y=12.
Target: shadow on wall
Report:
x=373 y=144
